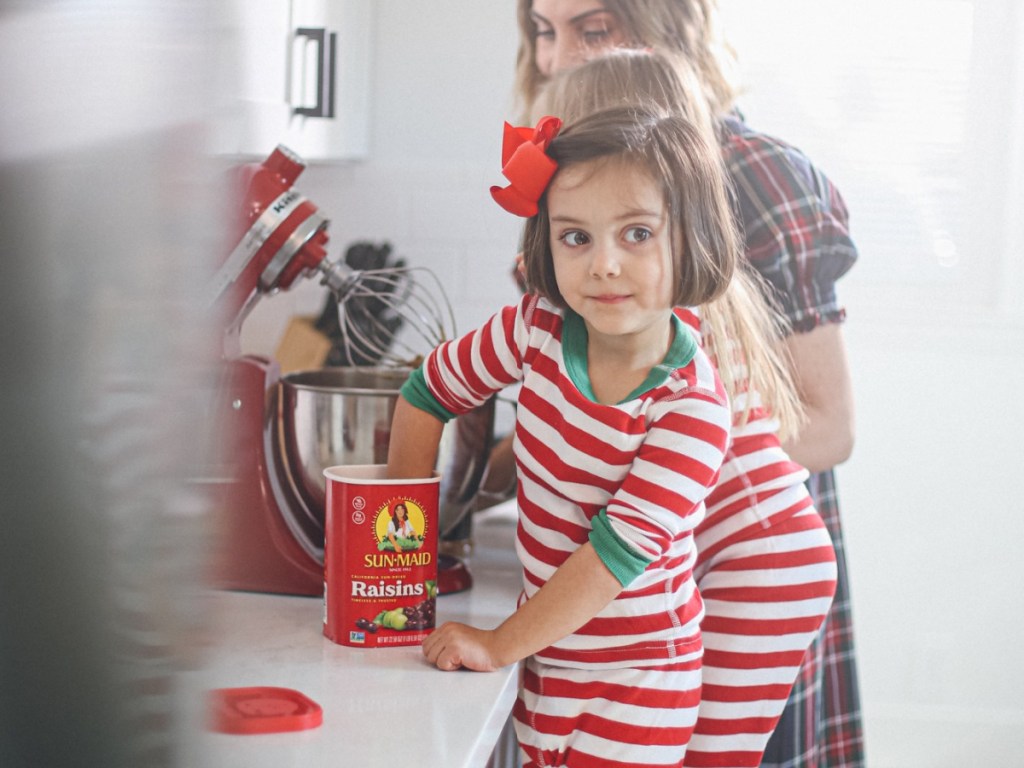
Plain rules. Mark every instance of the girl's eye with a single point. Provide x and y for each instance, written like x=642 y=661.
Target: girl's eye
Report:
x=595 y=37
x=637 y=234
x=574 y=238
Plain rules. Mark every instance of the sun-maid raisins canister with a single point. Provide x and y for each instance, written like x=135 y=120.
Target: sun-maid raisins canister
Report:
x=380 y=557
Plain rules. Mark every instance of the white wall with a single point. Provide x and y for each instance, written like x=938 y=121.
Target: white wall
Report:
x=933 y=498
x=932 y=508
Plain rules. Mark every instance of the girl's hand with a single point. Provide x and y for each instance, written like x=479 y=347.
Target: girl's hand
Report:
x=455 y=645
x=578 y=590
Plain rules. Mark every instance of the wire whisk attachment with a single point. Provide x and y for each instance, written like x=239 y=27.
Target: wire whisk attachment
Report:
x=386 y=314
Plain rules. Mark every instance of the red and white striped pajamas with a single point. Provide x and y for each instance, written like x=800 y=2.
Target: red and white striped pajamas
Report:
x=766 y=571
x=632 y=478
x=617 y=717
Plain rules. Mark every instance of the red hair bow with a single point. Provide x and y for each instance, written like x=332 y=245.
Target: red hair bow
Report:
x=524 y=162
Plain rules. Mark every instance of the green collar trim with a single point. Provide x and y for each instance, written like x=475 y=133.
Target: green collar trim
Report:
x=574 y=351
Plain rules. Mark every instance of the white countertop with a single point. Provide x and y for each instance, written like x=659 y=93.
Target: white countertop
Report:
x=381 y=706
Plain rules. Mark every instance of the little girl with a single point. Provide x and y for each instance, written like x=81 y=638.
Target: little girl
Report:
x=622 y=426
x=765 y=567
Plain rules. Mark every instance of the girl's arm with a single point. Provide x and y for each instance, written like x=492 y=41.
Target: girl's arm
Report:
x=412 y=447
x=415 y=429
x=577 y=592
x=669 y=479
x=823 y=381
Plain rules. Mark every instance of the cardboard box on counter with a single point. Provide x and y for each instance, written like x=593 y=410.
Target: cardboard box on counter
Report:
x=302 y=347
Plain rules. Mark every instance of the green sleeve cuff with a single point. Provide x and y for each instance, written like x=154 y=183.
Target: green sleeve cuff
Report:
x=624 y=563
x=416 y=392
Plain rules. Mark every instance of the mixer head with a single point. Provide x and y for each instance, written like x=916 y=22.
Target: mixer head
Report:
x=386 y=313
x=279 y=236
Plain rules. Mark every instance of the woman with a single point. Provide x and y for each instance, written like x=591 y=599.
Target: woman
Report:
x=400 y=528
x=795 y=230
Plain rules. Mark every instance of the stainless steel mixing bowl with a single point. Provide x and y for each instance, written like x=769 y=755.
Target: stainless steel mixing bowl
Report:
x=328 y=417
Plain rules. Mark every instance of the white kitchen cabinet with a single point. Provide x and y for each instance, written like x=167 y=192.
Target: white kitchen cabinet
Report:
x=299 y=75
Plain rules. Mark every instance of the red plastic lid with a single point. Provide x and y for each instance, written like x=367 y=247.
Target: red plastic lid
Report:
x=263 y=710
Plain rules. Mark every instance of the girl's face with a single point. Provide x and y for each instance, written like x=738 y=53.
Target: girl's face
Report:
x=570 y=32
x=400 y=512
x=611 y=242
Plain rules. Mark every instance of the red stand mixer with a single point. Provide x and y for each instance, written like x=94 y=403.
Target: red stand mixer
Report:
x=270 y=524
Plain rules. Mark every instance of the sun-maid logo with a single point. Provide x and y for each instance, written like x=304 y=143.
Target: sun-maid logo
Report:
x=399 y=528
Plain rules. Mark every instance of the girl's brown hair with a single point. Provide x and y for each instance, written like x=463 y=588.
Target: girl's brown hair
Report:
x=677 y=155
x=742 y=331
x=624 y=77
x=689 y=28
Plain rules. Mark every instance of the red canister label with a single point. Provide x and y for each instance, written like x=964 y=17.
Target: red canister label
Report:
x=380 y=557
